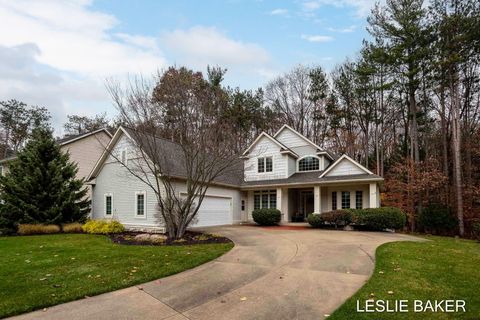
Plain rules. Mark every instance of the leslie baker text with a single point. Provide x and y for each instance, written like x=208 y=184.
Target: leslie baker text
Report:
x=448 y=306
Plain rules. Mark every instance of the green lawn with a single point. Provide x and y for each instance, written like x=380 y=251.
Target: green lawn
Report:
x=443 y=268
x=41 y=271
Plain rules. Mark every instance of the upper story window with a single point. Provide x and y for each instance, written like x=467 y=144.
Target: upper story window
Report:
x=309 y=164
x=265 y=164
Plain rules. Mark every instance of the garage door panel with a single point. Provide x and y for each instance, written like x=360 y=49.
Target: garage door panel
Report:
x=214 y=211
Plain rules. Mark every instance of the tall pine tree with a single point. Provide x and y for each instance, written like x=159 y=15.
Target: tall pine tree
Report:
x=41 y=186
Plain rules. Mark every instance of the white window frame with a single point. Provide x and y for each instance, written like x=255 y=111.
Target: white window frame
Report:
x=108 y=194
x=144 y=216
x=357 y=192
x=308 y=156
x=268 y=193
x=265 y=165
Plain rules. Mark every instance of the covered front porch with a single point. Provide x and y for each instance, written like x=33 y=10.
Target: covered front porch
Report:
x=297 y=202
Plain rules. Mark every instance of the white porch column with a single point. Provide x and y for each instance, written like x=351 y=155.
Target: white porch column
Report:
x=373 y=195
x=285 y=213
x=279 y=202
x=317 y=198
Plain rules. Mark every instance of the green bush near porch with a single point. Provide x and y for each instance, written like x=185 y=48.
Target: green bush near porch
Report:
x=267 y=217
x=379 y=218
x=370 y=218
x=315 y=220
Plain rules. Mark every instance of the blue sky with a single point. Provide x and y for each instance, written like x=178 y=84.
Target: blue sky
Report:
x=59 y=53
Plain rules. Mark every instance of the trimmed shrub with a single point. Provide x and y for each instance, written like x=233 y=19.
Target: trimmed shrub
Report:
x=26 y=229
x=437 y=218
x=337 y=217
x=72 y=228
x=267 y=217
x=315 y=220
x=379 y=218
x=103 y=227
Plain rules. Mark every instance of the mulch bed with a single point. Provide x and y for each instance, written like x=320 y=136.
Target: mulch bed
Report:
x=189 y=238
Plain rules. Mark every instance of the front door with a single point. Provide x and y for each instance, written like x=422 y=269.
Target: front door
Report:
x=306 y=203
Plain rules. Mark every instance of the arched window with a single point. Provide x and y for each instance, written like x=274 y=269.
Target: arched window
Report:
x=308 y=164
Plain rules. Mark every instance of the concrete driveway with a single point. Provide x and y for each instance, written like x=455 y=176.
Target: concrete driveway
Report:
x=270 y=274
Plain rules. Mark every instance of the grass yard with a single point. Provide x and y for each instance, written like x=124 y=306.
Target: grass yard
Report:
x=443 y=268
x=41 y=271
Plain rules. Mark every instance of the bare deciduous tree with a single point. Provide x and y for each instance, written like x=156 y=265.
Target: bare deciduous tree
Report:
x=197 y=153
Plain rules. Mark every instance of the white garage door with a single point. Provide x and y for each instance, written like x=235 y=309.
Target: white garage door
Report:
x=214 y=211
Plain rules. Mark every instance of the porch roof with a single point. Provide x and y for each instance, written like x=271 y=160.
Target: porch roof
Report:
x=301 y=178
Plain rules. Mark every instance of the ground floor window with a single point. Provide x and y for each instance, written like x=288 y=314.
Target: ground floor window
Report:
x=334 y=200
x=140 y=203
x=345 y=199
x=264 y=199
x=108 y=204
x=358 y=199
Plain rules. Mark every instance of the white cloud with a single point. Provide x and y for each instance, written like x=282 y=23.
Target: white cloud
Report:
x=199 y=46
x=362 y=8
x=279 y=12
x=22 y=77
x=74 y=38
x=316 y=38
x=58 y=54
x=344 y=30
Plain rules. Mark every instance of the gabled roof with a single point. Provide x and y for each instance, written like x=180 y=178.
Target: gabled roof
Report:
x=284 y=148
x=321 y=150
x=168 y=152
x=333 y=165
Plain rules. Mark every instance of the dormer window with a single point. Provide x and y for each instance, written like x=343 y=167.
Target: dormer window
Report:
x=309 y=164
x=265 y=164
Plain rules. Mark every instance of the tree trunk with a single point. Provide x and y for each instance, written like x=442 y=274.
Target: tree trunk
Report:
x=456 y=142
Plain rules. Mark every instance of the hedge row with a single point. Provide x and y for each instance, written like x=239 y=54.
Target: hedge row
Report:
x=369 y=218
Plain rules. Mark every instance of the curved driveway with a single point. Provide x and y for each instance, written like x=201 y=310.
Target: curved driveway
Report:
x=271 y=273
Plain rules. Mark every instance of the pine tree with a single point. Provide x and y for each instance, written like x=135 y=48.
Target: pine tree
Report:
x=41 y=186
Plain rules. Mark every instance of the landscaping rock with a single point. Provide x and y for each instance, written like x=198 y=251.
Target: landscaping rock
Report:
x=158 y=237
x=142 y=237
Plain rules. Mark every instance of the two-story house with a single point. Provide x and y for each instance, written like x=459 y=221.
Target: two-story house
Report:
x=286 y=171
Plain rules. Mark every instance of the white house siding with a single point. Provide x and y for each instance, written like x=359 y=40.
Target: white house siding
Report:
x=265 y=148
x=305 y=150
x=115 y=179
x=292 y=166
x=291 y=139
x=345 y=167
